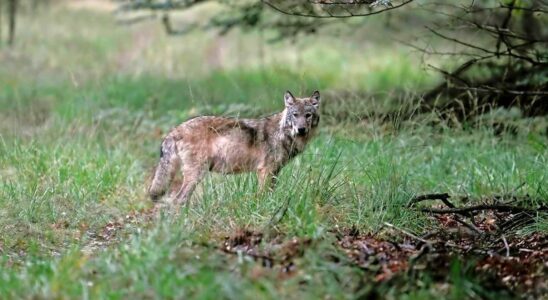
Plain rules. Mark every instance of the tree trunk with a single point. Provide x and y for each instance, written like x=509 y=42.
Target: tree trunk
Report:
x=12 y=15
x=1 y=12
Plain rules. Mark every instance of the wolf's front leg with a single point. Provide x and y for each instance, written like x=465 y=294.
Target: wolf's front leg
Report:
x=267 y=179
x=191 y=178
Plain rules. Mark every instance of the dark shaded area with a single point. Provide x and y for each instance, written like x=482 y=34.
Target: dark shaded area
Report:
x=393 y=259
x=506 y=61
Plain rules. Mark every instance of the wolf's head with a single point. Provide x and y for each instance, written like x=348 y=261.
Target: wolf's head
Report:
x=301 y=115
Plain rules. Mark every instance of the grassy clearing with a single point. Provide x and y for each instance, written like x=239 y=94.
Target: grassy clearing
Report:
x=80 y=127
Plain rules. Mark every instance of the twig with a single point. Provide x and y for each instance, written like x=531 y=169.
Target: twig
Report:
x=409 y=234
x=168 y=27
x=459 y=41
x=279 y=213
x=462 y=68
x=517 y=188
x=442 y=197
x=504 y=25
x=330 y=15
x=368 y=2
x=520 y=219
x=423 y=250
x=449 y=75
x=464 y=210
x=134 y=20
x=266 y=259
x=524 y=8
x=506 y=245
x=488 y=89
x=468 y=225
x=164 y=5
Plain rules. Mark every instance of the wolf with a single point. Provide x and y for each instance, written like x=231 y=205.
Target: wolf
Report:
x=232 y=145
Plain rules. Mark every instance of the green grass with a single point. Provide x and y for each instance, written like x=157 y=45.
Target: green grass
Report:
x=80 y=138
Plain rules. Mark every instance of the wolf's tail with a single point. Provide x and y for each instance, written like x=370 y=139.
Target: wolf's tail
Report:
x=166 y=169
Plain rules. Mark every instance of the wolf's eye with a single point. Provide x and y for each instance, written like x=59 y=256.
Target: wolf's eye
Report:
x=308 y=115
x=295 y=114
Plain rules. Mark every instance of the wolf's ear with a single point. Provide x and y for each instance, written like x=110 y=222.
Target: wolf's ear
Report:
x=315 y=99
x=289 y=99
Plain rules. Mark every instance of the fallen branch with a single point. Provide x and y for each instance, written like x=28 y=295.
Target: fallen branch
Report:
x=442 y=197
x=506 y=245
x=520 y=219
x=425 y=249
x=409 y=234
x=266 y=260
x=469 y=209
x=468 y=225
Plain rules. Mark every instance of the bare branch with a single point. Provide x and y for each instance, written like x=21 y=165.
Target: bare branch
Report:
x=409 y=234
x=489 y=89
x=504 y=25
x=349 y=2
x=443 y=197
x=166 y=5
x=331 y=15
x=459 y=41
x=470 y=209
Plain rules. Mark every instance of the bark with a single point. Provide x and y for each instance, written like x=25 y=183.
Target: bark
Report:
x=12 y=10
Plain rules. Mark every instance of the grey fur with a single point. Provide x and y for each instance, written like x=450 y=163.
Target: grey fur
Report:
x=229 y=145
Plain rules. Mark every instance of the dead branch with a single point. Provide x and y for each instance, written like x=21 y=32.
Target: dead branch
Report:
x=161 y=6
x=504 y=25
x=506 y=245
x=425 y=249
x=512 y=45
x=461 y=69
x=442 y=197
x=409 y=234
x=468 y=225
x=328 y=14
x=470 y=209
x=489 y=89
x=455 y=40
x=354 y=2
x=168 y=27
x=267 y=260
x=448 y=76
